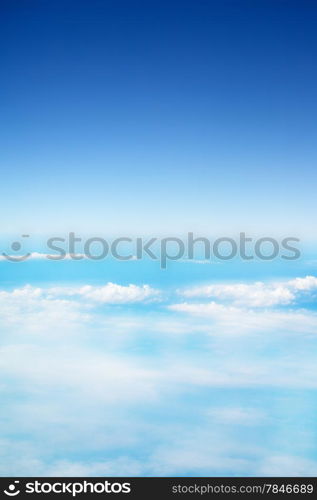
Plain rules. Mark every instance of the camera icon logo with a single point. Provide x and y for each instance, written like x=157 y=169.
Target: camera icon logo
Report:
x=13 y=491
x=16 y=246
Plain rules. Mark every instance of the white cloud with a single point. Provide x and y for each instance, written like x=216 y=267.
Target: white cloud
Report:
x=39 y=256
x=237 y=415
x=30 y=309
x=110 y=293
x=232 y=319
x=287 y=466
x=212 y=452
x=94 y=391
x=307 y=283
x=96 y=376
x=50 y=257
x=63 y=310
x=25 y=459
x=123 y=466
x=256 y=294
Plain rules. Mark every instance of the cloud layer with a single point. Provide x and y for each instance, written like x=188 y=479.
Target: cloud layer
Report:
x=113 y=379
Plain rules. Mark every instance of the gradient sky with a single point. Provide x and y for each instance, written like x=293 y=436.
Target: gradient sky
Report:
x=158 y=116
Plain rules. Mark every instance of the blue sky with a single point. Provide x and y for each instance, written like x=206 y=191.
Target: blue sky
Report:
x=157 y=119
x=159 y=115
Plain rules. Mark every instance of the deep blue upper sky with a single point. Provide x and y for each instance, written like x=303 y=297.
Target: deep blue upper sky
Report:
x=124 y=113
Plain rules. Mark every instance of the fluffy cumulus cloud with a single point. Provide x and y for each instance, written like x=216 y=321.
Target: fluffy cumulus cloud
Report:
x=37 y=299
x=111 y=293
x=256 y=294
x=307 y=283
x=58 y=309
x=253 y=307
